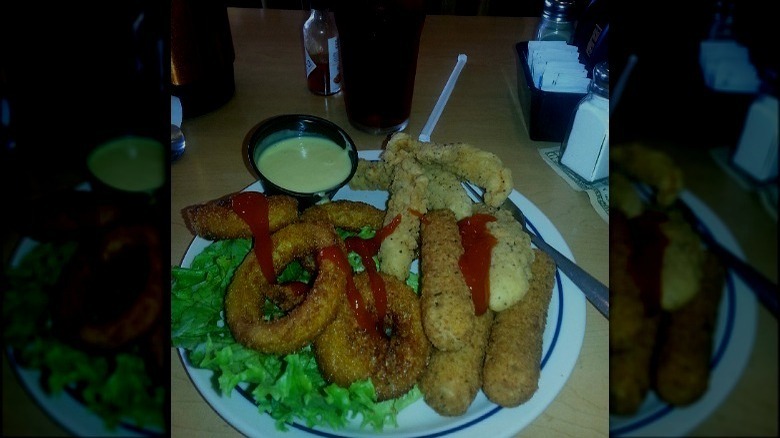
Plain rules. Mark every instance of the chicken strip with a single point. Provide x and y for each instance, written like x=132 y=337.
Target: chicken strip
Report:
x=512 y=362
x=407 y=202
x=372 y=175
x=452 y=379
x=445 y=298
x=216 y=220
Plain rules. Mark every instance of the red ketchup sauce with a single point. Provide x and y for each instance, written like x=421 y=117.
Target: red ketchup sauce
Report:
x=475 y=262
x=252 y=207
x=367 y=249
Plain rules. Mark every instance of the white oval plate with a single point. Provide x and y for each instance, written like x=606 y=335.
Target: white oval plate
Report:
x=562 y=341
x=66 y=409
x=733 y=342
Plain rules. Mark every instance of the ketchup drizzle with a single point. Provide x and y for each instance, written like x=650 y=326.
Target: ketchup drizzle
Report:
x=252 y=207
x=477 y=244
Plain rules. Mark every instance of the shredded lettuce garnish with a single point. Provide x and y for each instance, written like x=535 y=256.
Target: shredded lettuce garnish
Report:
x=288 y=388
x=118 y=389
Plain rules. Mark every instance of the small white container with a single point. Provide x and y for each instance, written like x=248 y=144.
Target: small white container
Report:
x=585 y=148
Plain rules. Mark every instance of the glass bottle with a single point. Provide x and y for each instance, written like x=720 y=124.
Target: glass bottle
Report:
x=585 y=147
x=557 y=22
x=321 y=50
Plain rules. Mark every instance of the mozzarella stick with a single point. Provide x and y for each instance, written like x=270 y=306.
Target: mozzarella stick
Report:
x=216 y=220
x=452 y=379
x=682 y=371
x=445 y=298
x=514 y=353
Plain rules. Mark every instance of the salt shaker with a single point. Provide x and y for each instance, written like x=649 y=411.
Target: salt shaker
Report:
x=585 y=147
x=557 y=22
x=321 y=50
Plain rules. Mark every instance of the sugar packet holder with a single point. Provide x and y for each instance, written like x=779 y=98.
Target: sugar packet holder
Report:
x=555 y=67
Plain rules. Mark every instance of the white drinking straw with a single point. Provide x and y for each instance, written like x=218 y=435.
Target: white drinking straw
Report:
x=425 y=135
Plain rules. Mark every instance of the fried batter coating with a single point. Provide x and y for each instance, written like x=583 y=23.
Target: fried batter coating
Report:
x=371 y=175
x=633 y=328
x=248 y=288
x=629 y=369
x=514 y=353
x=452 y=379
x=407 y=199
x=446 y=191
x=481 y=167
x=624 y=196
x=445 y=298
x=625 y=300
x=510 y=273
x=347 y=214
x=347 y=353
x=650 y=166
x=216 y=220
x=684 y=345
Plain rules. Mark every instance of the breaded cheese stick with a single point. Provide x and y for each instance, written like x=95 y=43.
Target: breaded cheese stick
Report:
x=452 y=379
x=512 y=362
x=216 y=220
x=632 y=327
x=445 y=298
x=682 y=370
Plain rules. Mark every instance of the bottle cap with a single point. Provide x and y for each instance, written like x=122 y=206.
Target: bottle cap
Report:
x=559 y=10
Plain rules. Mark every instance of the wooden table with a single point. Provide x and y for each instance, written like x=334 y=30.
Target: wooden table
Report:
x=483 y=111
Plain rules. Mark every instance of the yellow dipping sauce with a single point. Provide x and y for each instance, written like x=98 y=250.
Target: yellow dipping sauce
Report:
x=306 y=164
x=134 y=164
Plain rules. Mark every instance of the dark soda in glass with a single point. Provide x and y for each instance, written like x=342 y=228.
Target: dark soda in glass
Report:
x=379 y=41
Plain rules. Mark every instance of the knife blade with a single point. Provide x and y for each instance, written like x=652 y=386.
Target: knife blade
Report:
x=595 y=291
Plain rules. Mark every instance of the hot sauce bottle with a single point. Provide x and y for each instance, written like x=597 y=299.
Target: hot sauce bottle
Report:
x=321 y=50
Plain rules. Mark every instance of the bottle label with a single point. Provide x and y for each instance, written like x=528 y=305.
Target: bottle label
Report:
x=334 y=65
x=310 y=65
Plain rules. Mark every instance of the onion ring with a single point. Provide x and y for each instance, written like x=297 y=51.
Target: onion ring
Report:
x=350 y=215
x=248 y=289
x=346 y=352
x=111 y=291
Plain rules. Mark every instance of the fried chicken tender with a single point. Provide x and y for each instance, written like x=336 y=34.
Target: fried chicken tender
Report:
x=372 y=175
x=624 y=196
x=468 y=162
x=216 y=220
x=510 y=272
x=445 y=298
x=407 y=200
x=465 y=161
x=682 y=370
x=650 y=166
x=445 y=190
x=629 y=369
x=513 y=358
x=452 y=379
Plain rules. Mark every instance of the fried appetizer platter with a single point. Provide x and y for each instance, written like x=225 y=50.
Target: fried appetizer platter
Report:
x=85 y=306
x=665 y=289
x=470 y=318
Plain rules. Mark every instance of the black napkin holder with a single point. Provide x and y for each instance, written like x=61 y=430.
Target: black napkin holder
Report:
x=547 y=114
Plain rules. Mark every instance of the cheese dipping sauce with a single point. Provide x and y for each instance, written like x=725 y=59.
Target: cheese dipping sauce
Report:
x=134 y=164
x=307 y=164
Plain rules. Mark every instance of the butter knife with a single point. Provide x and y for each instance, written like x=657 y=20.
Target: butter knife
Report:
x=595 y=291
